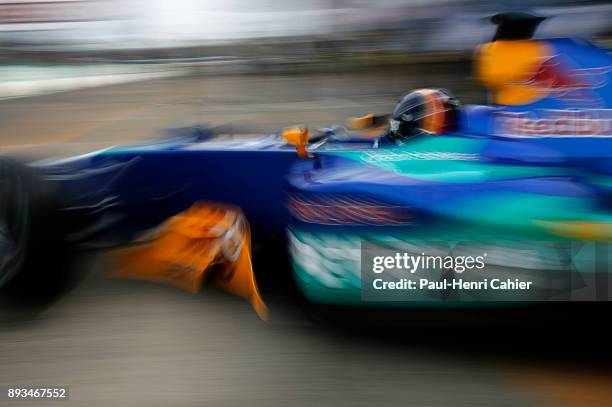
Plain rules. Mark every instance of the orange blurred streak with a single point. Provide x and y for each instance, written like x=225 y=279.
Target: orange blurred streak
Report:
x=206 y=241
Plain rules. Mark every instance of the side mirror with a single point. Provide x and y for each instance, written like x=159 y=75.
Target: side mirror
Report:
x=368 y=121
x=298 y=136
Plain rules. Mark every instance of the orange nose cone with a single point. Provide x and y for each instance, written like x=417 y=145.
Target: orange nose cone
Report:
x=184 y=249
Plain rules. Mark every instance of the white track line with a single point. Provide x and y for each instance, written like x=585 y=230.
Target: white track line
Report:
x=19 y=89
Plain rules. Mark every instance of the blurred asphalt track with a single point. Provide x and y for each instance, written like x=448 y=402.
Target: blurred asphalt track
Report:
x=116 y=342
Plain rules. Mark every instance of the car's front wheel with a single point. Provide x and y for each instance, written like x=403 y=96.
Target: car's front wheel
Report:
x=33 y=251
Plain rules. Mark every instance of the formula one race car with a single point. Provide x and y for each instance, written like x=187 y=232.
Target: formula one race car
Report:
x=516 y=190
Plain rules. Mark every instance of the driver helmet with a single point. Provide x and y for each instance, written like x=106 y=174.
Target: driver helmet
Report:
x=424 y=111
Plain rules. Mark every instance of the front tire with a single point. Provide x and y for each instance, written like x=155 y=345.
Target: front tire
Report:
x=34 y=256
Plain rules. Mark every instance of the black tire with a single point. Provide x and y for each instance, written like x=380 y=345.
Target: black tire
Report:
x=34 y=255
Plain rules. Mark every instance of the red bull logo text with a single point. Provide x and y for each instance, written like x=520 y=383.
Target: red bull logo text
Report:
x=347 y=211
x=555 y=123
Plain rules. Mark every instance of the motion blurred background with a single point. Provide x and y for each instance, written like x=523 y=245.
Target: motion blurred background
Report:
x=79 y=74
x=110 y=41
x=136 y=30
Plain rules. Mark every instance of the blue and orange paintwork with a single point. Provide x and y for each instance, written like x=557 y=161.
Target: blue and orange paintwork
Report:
x=141 y=186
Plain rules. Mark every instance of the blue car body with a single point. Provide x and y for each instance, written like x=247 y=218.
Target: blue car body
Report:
x=455 y=179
